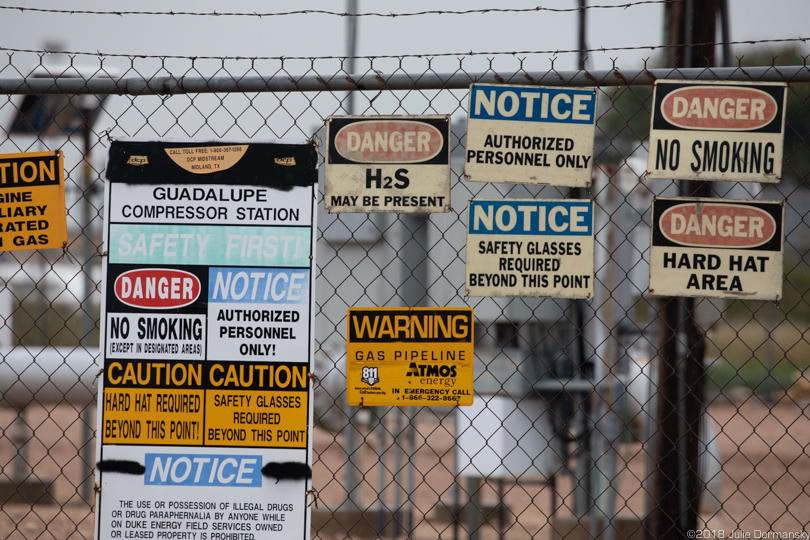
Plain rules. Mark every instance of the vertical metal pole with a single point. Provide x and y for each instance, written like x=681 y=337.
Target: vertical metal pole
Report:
x=350 y=432
x=608 y=426
x=583 y=489
x=414 y=293
x=675 y=479
x=381 y=440
x=351 y=47
x=473 y=513
x=703 y=23
x=397 y=471
x=20 y=434
x=87 y=322
x=582 y=34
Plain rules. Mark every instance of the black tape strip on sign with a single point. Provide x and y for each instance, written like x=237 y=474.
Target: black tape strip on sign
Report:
x=288 y=470
x=121 y=466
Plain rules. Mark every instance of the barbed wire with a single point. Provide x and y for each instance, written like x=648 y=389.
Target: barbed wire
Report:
x=553 y=52
x=336 y=13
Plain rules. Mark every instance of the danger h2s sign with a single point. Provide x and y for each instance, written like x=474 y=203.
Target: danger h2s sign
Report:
x=387 y=164
x=717 y=248
x=717 y=131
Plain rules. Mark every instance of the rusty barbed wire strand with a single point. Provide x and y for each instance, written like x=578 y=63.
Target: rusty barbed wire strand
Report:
x=553 y=52
x=483 y=11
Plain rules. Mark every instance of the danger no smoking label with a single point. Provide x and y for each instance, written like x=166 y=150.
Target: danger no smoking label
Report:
x=717 y=131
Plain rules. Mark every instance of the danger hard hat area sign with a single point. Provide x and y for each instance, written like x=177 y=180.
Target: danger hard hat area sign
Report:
x=717 y=248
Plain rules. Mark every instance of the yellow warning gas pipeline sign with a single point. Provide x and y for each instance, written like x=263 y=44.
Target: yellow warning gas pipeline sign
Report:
x=410 y=356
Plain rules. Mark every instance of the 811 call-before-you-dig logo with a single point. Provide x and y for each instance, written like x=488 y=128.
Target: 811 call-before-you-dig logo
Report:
x=371 y=375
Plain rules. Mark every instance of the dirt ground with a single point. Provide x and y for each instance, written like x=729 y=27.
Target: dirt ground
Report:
x=765 y=449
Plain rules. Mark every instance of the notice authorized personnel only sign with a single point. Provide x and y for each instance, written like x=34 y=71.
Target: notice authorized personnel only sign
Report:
x=204 y=407
x=530 y=247
x=416 y=356
x=387 y=164
x=717 y=131
x=717 y=248
x=530 y=135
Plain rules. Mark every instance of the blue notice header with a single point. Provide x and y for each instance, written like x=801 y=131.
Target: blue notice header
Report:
x=533 y=104
x=220 y=470
x=549 y=218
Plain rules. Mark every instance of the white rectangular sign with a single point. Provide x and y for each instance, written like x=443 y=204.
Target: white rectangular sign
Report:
x=717 y=248
x=205 y=408
x=717 y=131
x=530 y=135
x=530 y=247
x=387 y=164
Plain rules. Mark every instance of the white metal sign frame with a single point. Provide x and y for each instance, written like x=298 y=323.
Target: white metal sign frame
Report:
x=205 y=408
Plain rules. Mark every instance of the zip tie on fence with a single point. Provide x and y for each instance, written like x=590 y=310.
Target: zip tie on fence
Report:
x=66 y=254
x=312 y=494
x=100 y=372
x=313 y=377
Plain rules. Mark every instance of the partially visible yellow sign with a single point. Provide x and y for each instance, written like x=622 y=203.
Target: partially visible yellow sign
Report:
x=416 y=356
x=32 y=201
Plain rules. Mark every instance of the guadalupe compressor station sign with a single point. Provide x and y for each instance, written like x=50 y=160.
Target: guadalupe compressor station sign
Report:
x=205 y=401
x=410 y=356
x=717 y=248
x=387 y=164
x=530 y=135
x=717 y=131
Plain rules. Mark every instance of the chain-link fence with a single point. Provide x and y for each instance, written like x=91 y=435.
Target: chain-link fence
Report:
x=565 y=436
